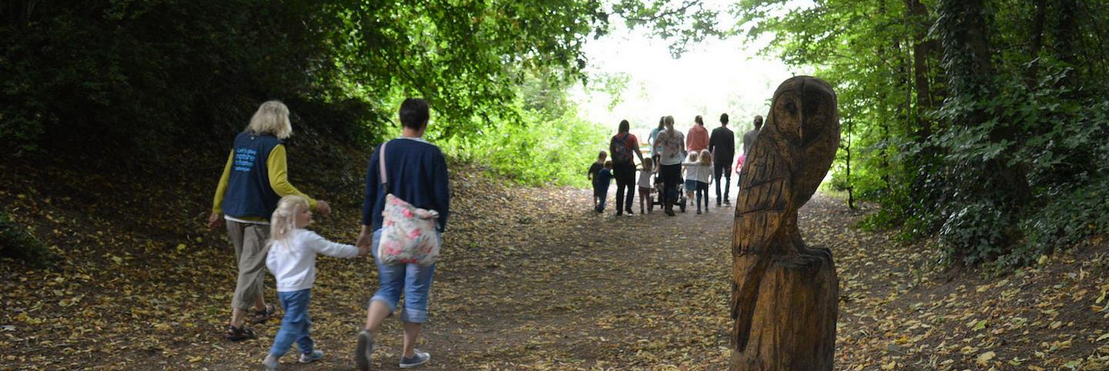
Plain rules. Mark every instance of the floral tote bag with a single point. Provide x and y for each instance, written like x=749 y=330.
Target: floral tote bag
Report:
x=407 y=233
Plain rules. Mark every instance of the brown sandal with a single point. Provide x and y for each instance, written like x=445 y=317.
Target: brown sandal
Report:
x=261 y=316
x=239 y=333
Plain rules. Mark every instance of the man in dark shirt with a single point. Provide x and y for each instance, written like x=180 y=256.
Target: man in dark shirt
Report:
x=749 y=140
x=750 y=136
x=722 y=146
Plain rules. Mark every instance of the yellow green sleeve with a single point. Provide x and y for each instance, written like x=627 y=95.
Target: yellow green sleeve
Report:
x=279 y=178
x=221 y=189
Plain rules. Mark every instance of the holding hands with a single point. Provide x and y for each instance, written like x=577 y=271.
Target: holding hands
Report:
x=364 y=242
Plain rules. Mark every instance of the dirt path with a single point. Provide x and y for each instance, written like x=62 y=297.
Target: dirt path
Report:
x=574 y=290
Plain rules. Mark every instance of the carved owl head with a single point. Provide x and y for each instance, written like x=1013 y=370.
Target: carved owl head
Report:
x=804 y=124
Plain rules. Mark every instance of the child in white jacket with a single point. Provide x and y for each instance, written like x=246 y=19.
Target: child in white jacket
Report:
x=698 y=175
x=704 y=178
x=292 y=261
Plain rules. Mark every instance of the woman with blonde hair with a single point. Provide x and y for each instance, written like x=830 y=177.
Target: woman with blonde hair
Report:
x=671 y=144
x=254 y=179
x=704 y=178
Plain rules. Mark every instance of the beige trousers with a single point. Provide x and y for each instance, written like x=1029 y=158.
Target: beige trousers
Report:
x=250 y=249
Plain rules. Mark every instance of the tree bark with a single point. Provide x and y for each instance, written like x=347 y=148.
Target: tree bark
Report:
x=1032 y=75
x=923 y=52
x=1067 y=39
x=964 y=30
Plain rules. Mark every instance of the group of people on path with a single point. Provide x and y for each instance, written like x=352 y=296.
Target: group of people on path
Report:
x=266 y=217
x=266 y=220
x=705 y=158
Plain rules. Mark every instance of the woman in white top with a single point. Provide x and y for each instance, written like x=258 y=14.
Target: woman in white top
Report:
x=670 y=144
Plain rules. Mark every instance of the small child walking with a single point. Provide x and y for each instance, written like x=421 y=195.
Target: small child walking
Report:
x=601 y=181
x=704 y=177
x=692 y=169
x=646 y=194
x=292 y=261
x=596 y=167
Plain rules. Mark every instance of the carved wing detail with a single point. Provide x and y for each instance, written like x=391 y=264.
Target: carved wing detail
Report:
x=763 y=198
x=760 y=209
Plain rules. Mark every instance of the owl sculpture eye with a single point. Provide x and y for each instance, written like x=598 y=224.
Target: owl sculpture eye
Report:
x=787 y=117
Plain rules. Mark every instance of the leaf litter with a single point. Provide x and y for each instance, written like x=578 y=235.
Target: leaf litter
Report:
x=530 y=279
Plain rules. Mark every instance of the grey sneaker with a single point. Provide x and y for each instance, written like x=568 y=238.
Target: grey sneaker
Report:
x=365 y=350
x=417 y=359
x=270 y=363
x=316 y=355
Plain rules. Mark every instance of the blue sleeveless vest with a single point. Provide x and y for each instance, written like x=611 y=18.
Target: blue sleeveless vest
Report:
x=249 y=193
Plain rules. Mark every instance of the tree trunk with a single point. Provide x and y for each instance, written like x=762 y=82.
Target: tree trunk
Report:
x=1032 y=75
x=963 y=28
x=923 y=50
x=794 y=322
x=850 y=187
x=1067 y=38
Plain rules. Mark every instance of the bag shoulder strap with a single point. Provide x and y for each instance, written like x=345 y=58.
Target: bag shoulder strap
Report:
x=381 y=166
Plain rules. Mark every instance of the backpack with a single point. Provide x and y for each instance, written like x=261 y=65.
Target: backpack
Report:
x=621 y=154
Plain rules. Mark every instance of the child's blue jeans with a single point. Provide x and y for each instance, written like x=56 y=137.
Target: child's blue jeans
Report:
x=413 y=280
x=702 y=193
x=295 y=324
x=601 y=193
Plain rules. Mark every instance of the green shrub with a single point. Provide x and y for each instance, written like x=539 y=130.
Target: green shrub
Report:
x=535 y=150
x=16 y=243
x=1064 y=221
x=975 y=232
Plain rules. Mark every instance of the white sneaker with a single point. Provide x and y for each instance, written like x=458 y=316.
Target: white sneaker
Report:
x=316 y=355
x=270 y=363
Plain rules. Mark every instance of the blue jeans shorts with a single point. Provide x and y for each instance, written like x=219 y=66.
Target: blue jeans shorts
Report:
x=690 y=185
x=413 y=280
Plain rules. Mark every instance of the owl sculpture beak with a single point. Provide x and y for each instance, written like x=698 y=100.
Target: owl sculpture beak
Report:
x=801 y=129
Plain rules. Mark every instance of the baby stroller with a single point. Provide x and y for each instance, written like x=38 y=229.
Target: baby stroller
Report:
x=660 y=193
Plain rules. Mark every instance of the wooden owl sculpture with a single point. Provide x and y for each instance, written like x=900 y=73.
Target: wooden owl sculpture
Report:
x=784 y=294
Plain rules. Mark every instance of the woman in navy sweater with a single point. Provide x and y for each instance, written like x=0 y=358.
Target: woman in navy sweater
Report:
x=417 y=173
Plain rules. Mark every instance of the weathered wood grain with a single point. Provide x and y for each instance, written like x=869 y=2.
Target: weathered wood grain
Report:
x=784 y=294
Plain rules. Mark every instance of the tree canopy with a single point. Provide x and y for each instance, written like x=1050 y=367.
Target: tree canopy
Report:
x=146 y=74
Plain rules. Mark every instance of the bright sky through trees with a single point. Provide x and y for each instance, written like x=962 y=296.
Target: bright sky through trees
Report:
x=713 y=77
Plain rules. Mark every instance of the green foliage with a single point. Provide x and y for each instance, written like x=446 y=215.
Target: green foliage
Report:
x=537 y=149
x=960 y=122
x=975 y=231
x=682 y=23
x=1067 y=220
x=141 y=78
x=16 y=243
